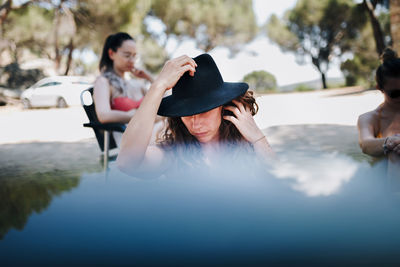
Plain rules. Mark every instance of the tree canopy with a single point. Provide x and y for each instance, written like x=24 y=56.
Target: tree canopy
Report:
x=317 y=31
x=55 y=29
x=210 y=23
x=261 y=81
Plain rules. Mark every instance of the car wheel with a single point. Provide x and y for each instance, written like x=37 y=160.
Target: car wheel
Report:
x=26 y=104
x=61 y=103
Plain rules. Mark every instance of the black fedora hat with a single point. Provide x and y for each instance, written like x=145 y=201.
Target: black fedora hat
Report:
x=202 y=92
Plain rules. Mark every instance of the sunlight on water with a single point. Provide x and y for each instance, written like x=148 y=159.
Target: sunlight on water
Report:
x=321 y=175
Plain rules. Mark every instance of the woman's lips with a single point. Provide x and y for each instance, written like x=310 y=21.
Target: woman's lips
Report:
x=200 y=134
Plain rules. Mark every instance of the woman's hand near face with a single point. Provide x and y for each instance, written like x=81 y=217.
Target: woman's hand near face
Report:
x=141 y=74
x=173 y=70
x=244 y=122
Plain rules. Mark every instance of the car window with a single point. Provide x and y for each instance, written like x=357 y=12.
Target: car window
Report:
x=50 y=84
x=80 y=82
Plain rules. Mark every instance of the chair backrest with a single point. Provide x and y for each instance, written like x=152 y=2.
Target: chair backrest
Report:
x=94 y=123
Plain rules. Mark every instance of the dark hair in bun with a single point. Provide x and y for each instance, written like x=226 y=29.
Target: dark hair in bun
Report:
x=113 y=41
x=390 y=67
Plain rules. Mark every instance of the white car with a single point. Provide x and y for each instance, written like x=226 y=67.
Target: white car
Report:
x=57 y=91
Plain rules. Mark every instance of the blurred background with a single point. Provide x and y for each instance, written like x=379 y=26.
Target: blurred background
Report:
x=291 y=45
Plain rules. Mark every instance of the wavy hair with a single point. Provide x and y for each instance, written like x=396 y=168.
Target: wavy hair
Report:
x=177 y=135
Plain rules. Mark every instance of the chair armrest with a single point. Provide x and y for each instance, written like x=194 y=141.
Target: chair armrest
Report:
x=118 y=127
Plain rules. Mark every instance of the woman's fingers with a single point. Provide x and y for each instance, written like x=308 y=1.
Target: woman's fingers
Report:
x=239 y=105
x=186 y=68
x=174 y=69
x=232 y=119
x=184 y=60
x=233 y=109
x=396 y=149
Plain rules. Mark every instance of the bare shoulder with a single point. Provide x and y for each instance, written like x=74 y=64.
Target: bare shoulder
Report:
x=101 y=82
x=369 y=117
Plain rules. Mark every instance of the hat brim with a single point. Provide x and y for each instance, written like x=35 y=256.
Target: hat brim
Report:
x=172 y=107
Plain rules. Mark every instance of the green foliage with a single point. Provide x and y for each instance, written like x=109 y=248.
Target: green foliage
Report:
x=96 y=19
x=53 y=29
x=20 y=198
x=152 y=55
x=30 y=28
x=261 y=81
x=303 y=88
x=16 y=78
x=317 y=29
x=360 y=70
x=210 y=23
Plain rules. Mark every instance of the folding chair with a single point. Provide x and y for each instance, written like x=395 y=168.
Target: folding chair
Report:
x=102 y=131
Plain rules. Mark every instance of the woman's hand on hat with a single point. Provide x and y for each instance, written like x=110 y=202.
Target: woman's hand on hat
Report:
x=244 y=122
x=174 y=69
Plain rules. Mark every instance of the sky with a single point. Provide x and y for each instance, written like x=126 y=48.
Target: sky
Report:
x=268 y=56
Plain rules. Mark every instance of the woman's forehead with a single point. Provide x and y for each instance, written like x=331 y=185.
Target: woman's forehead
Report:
x=128 y=46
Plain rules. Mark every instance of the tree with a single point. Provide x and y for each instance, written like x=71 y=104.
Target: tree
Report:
x=370 y=7
x=29 y=29
x=54 y=29
x=367 y=48
x=210 y=23
x=261 y=81
x=395 y=23
x=320 y=30
x=361 y=68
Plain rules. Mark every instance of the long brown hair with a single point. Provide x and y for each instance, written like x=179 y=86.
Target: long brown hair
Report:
x=176 y=133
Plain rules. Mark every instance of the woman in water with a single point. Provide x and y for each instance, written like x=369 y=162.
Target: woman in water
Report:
x=379 y=129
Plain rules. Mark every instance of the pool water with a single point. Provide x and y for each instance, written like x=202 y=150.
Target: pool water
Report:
x=316 y=206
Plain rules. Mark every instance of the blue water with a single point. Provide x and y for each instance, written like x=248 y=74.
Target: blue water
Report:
x=322 y=203
x=325 y=210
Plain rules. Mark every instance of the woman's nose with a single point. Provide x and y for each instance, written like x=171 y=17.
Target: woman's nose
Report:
x=196 y=121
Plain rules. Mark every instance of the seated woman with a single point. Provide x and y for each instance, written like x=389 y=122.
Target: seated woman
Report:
x=379 y=129
x=197 y=112
x=116 y=99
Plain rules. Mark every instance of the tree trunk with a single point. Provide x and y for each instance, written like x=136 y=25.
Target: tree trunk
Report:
x=376 y=27
x=323 y=78
x=4 y=10
x=69 y=60
x=316 y=62
x=395 y=24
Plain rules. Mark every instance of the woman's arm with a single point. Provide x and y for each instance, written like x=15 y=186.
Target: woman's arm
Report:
x=101 y=98
x=136 y=156
x=366 y=135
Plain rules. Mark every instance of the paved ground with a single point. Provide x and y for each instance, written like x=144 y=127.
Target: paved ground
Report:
x=42 y=140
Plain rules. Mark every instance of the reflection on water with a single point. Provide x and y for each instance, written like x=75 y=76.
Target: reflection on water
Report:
x=32 y=174
x=315 y=176
x=20 y=197
x=318 y=159
x=320 y=204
